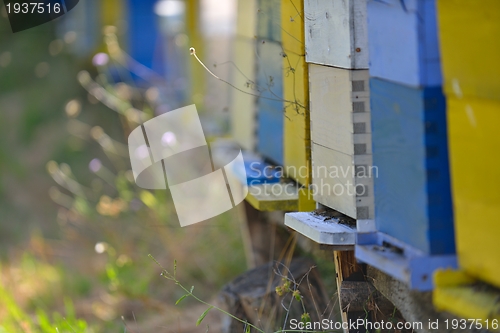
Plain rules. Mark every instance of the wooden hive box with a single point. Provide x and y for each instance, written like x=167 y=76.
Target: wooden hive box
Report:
x=269 y=81
x=469 y=32
x=403 y=41
x=297 y=146
x=474 y=160
x=412 y=188
x=296 y=131
x=270 y=101
x=341 y=140
x=336 y=33
x=243 y=108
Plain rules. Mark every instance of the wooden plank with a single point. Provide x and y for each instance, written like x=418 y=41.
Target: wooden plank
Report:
x=340 y=109
x=403 y=42
x=343 y=182
x=297 y=147
x=474 y=162
x=243 y=107
x=410 y=151
x=321 y=230
x=336 y=33
x=270 y=101
x=464 y=28
x=461 y=295
x=271 y=197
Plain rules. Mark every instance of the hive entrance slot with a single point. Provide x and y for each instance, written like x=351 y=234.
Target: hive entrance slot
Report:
x=392 y=248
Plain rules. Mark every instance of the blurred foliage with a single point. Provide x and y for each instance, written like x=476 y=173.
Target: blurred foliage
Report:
x=36 y=285
x=75 y=230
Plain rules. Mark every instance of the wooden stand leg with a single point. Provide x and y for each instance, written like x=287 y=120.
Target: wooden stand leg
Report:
x=266 y=238
x=347 y=268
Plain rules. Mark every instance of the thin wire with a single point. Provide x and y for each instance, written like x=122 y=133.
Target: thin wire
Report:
x=193 y=53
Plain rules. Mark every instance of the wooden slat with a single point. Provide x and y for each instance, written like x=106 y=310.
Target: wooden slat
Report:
x=474 y=159
x=271 y=197
x=403 y=42
x=335 y=182
x=336 y=33
x=340 y=109
x=466 y=26
x=322 y=231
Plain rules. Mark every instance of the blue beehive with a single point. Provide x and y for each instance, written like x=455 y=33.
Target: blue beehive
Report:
x=269 y=80
x=412 y=189
x=270 y=101
x=143 y=34
x=403 y=41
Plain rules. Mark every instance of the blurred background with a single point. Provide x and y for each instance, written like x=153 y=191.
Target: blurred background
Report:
x=75 y=231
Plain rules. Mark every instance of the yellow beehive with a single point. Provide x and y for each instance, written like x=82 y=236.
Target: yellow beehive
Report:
x=295 y=92
x=112 y=12
x=457 y=293
x=297 y=146
x=474 y=161
x=469 y=33
x=243 y=109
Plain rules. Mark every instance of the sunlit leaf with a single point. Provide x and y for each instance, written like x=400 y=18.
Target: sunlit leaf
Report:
x=180 y=299
x=203 y=315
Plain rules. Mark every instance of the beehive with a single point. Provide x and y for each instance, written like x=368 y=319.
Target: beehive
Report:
x=142 y=35
x=474 y=161
x=469 y=32
x=341 y=140
x=412 y=188
x=243 y=108
x=270 y=100
x=297 y=146
x=336 y=33
x=403 y=43
x=269 y=81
